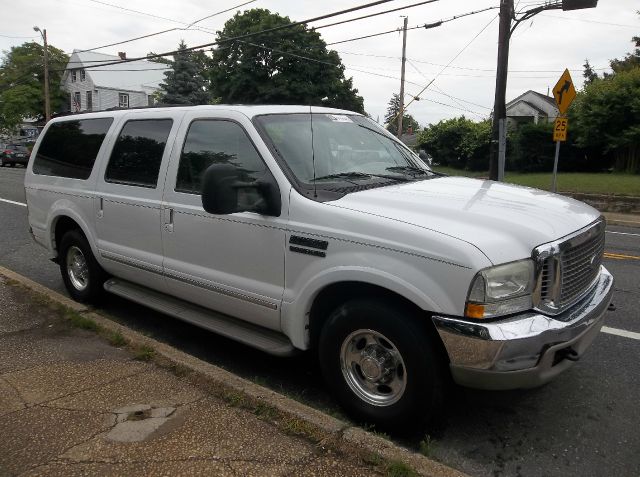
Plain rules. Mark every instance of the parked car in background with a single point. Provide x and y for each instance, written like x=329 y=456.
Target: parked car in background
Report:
x=12 y=154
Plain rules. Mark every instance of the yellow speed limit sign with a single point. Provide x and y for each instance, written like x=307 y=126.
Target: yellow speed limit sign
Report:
x=560 y=129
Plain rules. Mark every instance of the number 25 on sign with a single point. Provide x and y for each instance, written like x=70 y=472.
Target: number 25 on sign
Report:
x=560 y=129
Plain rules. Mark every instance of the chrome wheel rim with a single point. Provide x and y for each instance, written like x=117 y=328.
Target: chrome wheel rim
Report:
x=77 y=268
x=373 y=367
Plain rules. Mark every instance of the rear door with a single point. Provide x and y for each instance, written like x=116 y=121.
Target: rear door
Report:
x=230 y=263
x=128 y=205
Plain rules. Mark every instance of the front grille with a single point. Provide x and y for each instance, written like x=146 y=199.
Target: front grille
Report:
x=568 y=268
x=579 y=267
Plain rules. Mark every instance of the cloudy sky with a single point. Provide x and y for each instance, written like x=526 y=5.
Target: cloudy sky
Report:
x=540 y=49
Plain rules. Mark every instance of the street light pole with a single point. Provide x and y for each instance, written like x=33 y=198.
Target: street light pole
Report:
x=507 y=13
x=47 y=103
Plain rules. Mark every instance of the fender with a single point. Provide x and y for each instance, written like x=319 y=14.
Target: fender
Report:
x=295 y=315
x=67 y=208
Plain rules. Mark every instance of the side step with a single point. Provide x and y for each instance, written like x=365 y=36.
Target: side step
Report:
x=249 y=334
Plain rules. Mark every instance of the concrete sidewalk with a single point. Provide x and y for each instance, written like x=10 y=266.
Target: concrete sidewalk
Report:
x=73 y=402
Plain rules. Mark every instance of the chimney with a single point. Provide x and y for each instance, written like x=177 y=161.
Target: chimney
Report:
x=122 y=55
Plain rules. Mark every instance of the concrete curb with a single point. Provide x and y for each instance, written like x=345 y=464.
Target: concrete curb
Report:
x=329 y=429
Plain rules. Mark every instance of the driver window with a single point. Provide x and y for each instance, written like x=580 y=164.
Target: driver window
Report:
x=216 y=142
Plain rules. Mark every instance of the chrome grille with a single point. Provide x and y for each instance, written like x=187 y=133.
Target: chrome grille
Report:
x=579 y=267
x=568 y=267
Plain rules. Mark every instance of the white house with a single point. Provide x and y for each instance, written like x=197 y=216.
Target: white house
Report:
x=531 y=107
x=124 y=85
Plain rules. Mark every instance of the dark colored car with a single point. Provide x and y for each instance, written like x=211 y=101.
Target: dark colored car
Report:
x=13 y=154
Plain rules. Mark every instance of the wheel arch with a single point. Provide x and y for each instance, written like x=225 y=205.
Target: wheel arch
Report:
x=334 y=294
x=63 y=220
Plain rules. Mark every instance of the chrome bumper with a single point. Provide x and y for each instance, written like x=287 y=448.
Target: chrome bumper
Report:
x=525 y=350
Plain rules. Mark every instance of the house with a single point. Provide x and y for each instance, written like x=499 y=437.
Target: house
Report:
x=124 y=85
x=531 y=107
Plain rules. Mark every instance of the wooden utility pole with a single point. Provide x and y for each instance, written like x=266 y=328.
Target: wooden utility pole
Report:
x=404 y=59
x=499 y=107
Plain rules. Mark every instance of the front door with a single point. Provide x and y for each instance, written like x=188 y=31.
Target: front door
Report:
x=230 y=263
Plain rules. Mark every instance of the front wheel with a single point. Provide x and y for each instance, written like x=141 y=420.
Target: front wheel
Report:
x=82 y=275
x=383 y=364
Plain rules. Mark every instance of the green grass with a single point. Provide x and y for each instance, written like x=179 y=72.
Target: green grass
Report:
x=78 y=321
x=144 y=353
x=585 y=182
x=399 y=469
x=116 y=339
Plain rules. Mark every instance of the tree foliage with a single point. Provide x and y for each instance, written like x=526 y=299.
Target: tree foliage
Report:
x=391 y=117
x=186 y=82
x=22 y=83
x=268 y=68
x=458 y=142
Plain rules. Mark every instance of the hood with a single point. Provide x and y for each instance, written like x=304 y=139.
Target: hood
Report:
x=504 y=221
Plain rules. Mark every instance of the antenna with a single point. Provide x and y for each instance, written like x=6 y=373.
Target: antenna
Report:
x=313 y=157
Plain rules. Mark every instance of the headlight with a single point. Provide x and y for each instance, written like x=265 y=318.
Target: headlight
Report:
x=501 y=290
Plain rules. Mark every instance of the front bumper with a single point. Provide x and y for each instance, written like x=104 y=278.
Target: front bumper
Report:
x=524 y=350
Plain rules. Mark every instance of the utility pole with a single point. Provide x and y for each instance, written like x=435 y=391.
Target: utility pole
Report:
x=404 y=59
x=499 y=107
x=47 y=103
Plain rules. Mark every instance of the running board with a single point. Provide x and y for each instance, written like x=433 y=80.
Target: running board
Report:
x=249 y=334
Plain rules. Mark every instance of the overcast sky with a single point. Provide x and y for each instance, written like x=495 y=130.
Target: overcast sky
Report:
x=540 y=49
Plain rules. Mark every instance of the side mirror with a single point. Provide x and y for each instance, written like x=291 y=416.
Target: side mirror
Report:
x=224 y=193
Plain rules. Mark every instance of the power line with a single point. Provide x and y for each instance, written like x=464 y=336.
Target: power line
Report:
x=376 y=14
x=188 y=27
x=445 y=67
x=248 y=35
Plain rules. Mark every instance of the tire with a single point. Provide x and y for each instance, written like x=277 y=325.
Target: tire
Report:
x=12 y=164
x=82 y=275
x=383 y=365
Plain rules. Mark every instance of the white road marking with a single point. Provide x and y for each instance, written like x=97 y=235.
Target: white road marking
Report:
x=622 y=233
x=13 y=202
x=624 y=333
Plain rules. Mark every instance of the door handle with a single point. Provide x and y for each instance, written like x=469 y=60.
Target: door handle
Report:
x=168 y=219
x=100 y=208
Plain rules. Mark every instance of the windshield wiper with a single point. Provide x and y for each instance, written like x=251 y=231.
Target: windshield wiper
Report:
x=359 y=175
x=413 y=169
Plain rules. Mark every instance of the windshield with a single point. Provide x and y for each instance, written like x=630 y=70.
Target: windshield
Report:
x=346 y=148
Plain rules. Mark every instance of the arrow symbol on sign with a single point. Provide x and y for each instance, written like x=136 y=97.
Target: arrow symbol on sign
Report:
x=561 y=91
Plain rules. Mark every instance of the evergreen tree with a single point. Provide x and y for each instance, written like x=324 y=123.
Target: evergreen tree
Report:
x=186 y=82
x=588 y=73
x=391 y=118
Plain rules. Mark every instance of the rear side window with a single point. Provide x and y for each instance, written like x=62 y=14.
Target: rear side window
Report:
x=216 y=142
x=137 y=154
x=69 y=148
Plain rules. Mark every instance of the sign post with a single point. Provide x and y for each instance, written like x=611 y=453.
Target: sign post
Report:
x=564 y=93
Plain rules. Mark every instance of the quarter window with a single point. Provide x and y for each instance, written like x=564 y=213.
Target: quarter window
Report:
x=138 y=152
x=216 y=142
x=70 y=148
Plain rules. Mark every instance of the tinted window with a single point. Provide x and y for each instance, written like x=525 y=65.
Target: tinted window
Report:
x=137 y=154
x=219 y=142
x=69 y=148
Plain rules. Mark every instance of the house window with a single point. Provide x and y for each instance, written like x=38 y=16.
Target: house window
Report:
x=83 y=75
x=123 y=100
x=77 y=102
x=74 y=77
x=90 y=100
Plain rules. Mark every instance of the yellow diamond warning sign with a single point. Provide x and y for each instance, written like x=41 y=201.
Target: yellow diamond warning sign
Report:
x=564 y=92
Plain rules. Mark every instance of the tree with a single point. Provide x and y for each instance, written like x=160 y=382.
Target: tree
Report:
x=588 y=73
x=391 y=117
x=22 y=83
x=458 y=142
x=186 y=82
x=290 y=66
x=606 y=119
x=632 y=60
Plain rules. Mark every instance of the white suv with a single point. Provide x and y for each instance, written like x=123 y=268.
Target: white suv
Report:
x=292 y=228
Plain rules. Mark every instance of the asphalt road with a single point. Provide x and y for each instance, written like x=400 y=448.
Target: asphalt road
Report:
x=585 y=423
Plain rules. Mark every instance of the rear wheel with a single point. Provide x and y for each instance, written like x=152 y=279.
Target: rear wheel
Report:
x=383 y=364
x=81 y=273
